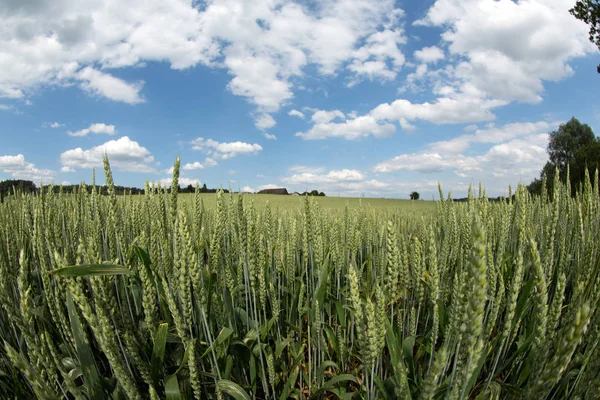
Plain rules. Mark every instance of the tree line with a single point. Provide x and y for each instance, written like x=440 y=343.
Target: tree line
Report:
x=7 y=187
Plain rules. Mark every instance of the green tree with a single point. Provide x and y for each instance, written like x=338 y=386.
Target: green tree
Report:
x=415 y=196
x=588 y=11
x=7 y=187
x=573 y=146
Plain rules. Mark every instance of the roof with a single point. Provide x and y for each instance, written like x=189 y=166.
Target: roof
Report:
x=274 y=191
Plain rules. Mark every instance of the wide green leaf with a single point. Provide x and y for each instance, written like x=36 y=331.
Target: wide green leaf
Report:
x=89 y=370
x=233 y=389
x=172 y=388
x=92 y=270
x=158 y=352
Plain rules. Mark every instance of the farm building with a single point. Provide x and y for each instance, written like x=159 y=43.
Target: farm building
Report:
x=274 y=191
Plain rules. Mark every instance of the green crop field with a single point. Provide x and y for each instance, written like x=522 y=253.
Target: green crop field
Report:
x=164 y=296
x=331 y=203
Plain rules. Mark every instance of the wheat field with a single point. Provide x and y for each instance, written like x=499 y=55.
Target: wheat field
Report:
x=155 y=298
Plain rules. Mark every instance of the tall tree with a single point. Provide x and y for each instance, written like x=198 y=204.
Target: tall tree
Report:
x=588 y=11
x=575 y=146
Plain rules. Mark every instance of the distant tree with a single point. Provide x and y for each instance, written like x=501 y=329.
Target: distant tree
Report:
x=204 y=189
x=7 y=187
x=415 y=196
x=190 y=189
x=573 y=146
x=588 y=11
x=322 y=194
x=314 y=193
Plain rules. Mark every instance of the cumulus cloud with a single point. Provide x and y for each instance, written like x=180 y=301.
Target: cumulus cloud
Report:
x=454 y=109
x=223 y=150
x=352 y=129
x=66 y=169
x=124 y=153
x=445 y=110
x=334 y=176
x=430 y=54
x=183 y=182
x=264 y=121
x=380 y=57
x=262 y=44
x=18 y=168
x=507 y=49
x=296 y=113
x=492 y=134
x=106 y=85
x=349 y=182
x=98 y=128
x=324 y=116
x=187 y=167
x=518 y=155
x=209 y=162
x=270 y=136
x=192 y=166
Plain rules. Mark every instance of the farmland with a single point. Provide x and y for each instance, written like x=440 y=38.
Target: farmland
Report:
x=329 y=203
x=195 y=296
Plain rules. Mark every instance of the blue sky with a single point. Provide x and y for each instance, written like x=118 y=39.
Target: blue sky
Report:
x=349 y=97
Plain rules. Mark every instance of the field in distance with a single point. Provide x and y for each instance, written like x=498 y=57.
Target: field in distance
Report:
x=289 y=201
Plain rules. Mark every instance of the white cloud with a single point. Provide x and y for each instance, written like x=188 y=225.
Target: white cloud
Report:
x=66 y=169
x=518 y=159
x=380 y=56
x=124 y=153
x=52 y=125
x=209 y=162
x=445 y=110
x=18 y=168
x=470 y=128
x=353 y=129
x=296 y=113
x=98 y=128
x=264 y=121
x=350 y=182
x=334 y=176
x=260 y=176
x=492 y=134
x=324 y=116
x=509 y=48
x=270 y=136
x=192 y=166
x=102 y=84
x=264 y=45
x=224 y=150
x=457 y=109
x=431 y=54
x=183 y=182
x=258 y=188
